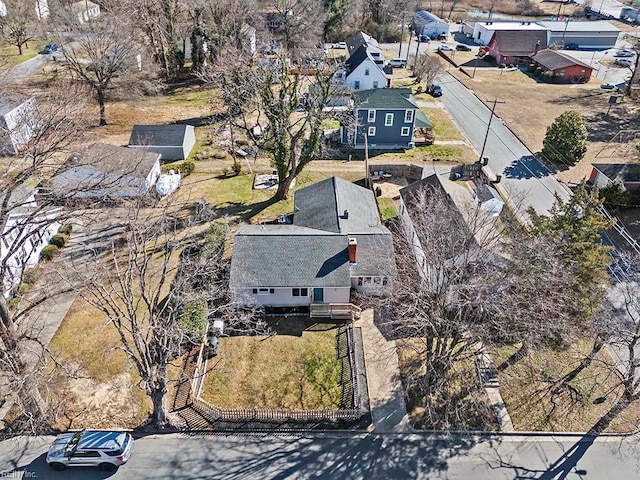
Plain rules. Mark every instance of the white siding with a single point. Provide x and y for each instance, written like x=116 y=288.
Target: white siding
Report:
x=337 y=295
x=366 y=81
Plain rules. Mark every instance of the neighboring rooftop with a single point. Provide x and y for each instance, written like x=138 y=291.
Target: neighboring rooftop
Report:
x=9 y=104
x=553 y=59
x=392 y=98
x=82 y=6
x=510 y=25
x=359 y=56
x=514 y=43
x=427 y=17
x=158 y=135
x=355 y=41
x=322 y=206
x=625 y=172
x=595 y=27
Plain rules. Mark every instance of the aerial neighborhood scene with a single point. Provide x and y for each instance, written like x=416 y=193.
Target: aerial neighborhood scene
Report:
x=366 y=239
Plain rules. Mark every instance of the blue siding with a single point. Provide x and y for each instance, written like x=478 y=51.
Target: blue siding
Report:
x=385 y=136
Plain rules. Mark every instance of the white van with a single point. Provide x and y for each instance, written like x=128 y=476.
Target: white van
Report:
x=398 y=62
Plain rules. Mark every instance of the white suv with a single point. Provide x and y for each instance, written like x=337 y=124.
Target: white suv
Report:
x=90 y=448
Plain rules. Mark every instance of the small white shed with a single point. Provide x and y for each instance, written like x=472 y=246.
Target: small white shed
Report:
x=490 y=200
x=17 y=123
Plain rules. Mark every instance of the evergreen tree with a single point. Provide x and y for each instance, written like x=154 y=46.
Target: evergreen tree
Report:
x=566 y=139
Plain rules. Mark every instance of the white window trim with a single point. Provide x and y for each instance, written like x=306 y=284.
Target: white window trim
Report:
x=371 y=132
x=408 y=116
x=263 y=291
x=366 y=72
x=405 y=129
x=371 y=118
x=375 y=84
x=388 y=120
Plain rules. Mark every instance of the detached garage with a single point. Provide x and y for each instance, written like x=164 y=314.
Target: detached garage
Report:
x=173 y=142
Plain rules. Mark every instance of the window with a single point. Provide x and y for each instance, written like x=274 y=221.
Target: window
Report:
x=367 y=280
x=87 y=454
x=405 y=131
x=375 y=84
x=385 y=280
x=356 y=85
x=366 y=71
x=388 y=119
x=377 y=280
x=295 y=292
x=265 y=291
x=371 y=116
x=371 y=132
x=300 y=292
x=359 y=281
x=408 y=116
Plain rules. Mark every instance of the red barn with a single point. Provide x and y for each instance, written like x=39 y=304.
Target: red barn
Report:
x=516 y=46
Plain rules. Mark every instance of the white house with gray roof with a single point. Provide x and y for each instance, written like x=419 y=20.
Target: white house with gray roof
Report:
x=17 y=124
x=336 y=243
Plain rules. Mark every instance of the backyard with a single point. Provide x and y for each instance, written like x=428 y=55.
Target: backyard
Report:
x=297 y=368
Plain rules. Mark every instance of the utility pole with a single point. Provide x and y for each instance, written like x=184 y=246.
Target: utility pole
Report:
x=408 y=46
x=366 y=160
x=418 y=44
x=401 y=35
x=484 y=144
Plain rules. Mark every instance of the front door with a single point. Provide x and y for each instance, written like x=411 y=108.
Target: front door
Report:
x=318 y=295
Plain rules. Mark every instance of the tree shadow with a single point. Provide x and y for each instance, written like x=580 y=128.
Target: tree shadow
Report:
x=603 y=127
x=528 y=166
x=245 y=211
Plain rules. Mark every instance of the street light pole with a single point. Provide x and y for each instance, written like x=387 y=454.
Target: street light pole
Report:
x=484 y=144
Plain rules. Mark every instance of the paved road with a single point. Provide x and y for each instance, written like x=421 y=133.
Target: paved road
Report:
x=524 y=178
x=336 y=457
x=610 y=7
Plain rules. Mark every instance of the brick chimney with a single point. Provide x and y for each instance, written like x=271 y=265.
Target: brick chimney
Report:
x=351 y=249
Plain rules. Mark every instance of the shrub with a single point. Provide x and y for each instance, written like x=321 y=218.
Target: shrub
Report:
x=49 y=252
x=59 y=240
x=489 y=58
x=419 y=89
x=615 y=195
x=175 y=166
x=531 y=68
x=31 y=275
x=187 y=167
x=538 y=72
x=66 y=229
x=547 y=77
x=193 y=320
x=236 y=168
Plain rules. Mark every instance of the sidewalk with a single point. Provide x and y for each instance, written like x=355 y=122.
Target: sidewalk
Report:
x=386 y=395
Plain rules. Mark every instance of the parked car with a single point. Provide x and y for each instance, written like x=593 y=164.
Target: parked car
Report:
x=461 y=47
x=624 y=53
x=398 y=62
x=105 y=449
x=52 y=47
x=341 y=45
x=443 y=36
x=424 y=38
x=571 y=46
x=446 y=48
x=624 y=62
x=434 y=90
x=612 y=86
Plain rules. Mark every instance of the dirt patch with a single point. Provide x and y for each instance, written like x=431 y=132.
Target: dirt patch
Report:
x=84 y=403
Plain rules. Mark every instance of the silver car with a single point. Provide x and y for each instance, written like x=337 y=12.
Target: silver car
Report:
x=90 y=448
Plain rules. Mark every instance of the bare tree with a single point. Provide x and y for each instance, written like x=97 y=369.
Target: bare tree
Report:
x=298 y=24
x=276 y=98
x=158 y=289
x=463 y=280
x=102 y=57
x=19 y=23
x=53 y=122
x=427 y=68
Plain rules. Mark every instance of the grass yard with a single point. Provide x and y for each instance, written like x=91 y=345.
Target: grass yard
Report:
x=443 y=126
x=452 y=153
x=463 y=406
x=525 y=390
x=388 y=208
x=9 y=56
x=235 y=198
x=288 y=370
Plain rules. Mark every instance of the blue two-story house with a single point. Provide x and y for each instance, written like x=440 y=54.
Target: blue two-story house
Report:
x=386 y=118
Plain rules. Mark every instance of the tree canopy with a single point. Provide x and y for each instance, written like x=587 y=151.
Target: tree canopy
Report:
x=566 y=139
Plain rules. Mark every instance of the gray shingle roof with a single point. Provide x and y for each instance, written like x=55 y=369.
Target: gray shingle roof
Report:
x=284 y=256
x=321 y=206
x=355 y=41
x=625 y=172
x=158 y=135
x=554 y=60
x=359 y=56
x=519 y=43
x=389 y=98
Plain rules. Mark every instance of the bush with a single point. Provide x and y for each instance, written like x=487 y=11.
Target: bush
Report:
x=49 y=252
x=187 y=167
x=489 y=58
x=59 y=240
x=531 y=68
x=547 y=77
x=482 y=54
x=419 y=89
x=537 y=72
x=193 y=321
x=31 y=275
x=66 y=229
x=615 y=195
x=236 y=168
